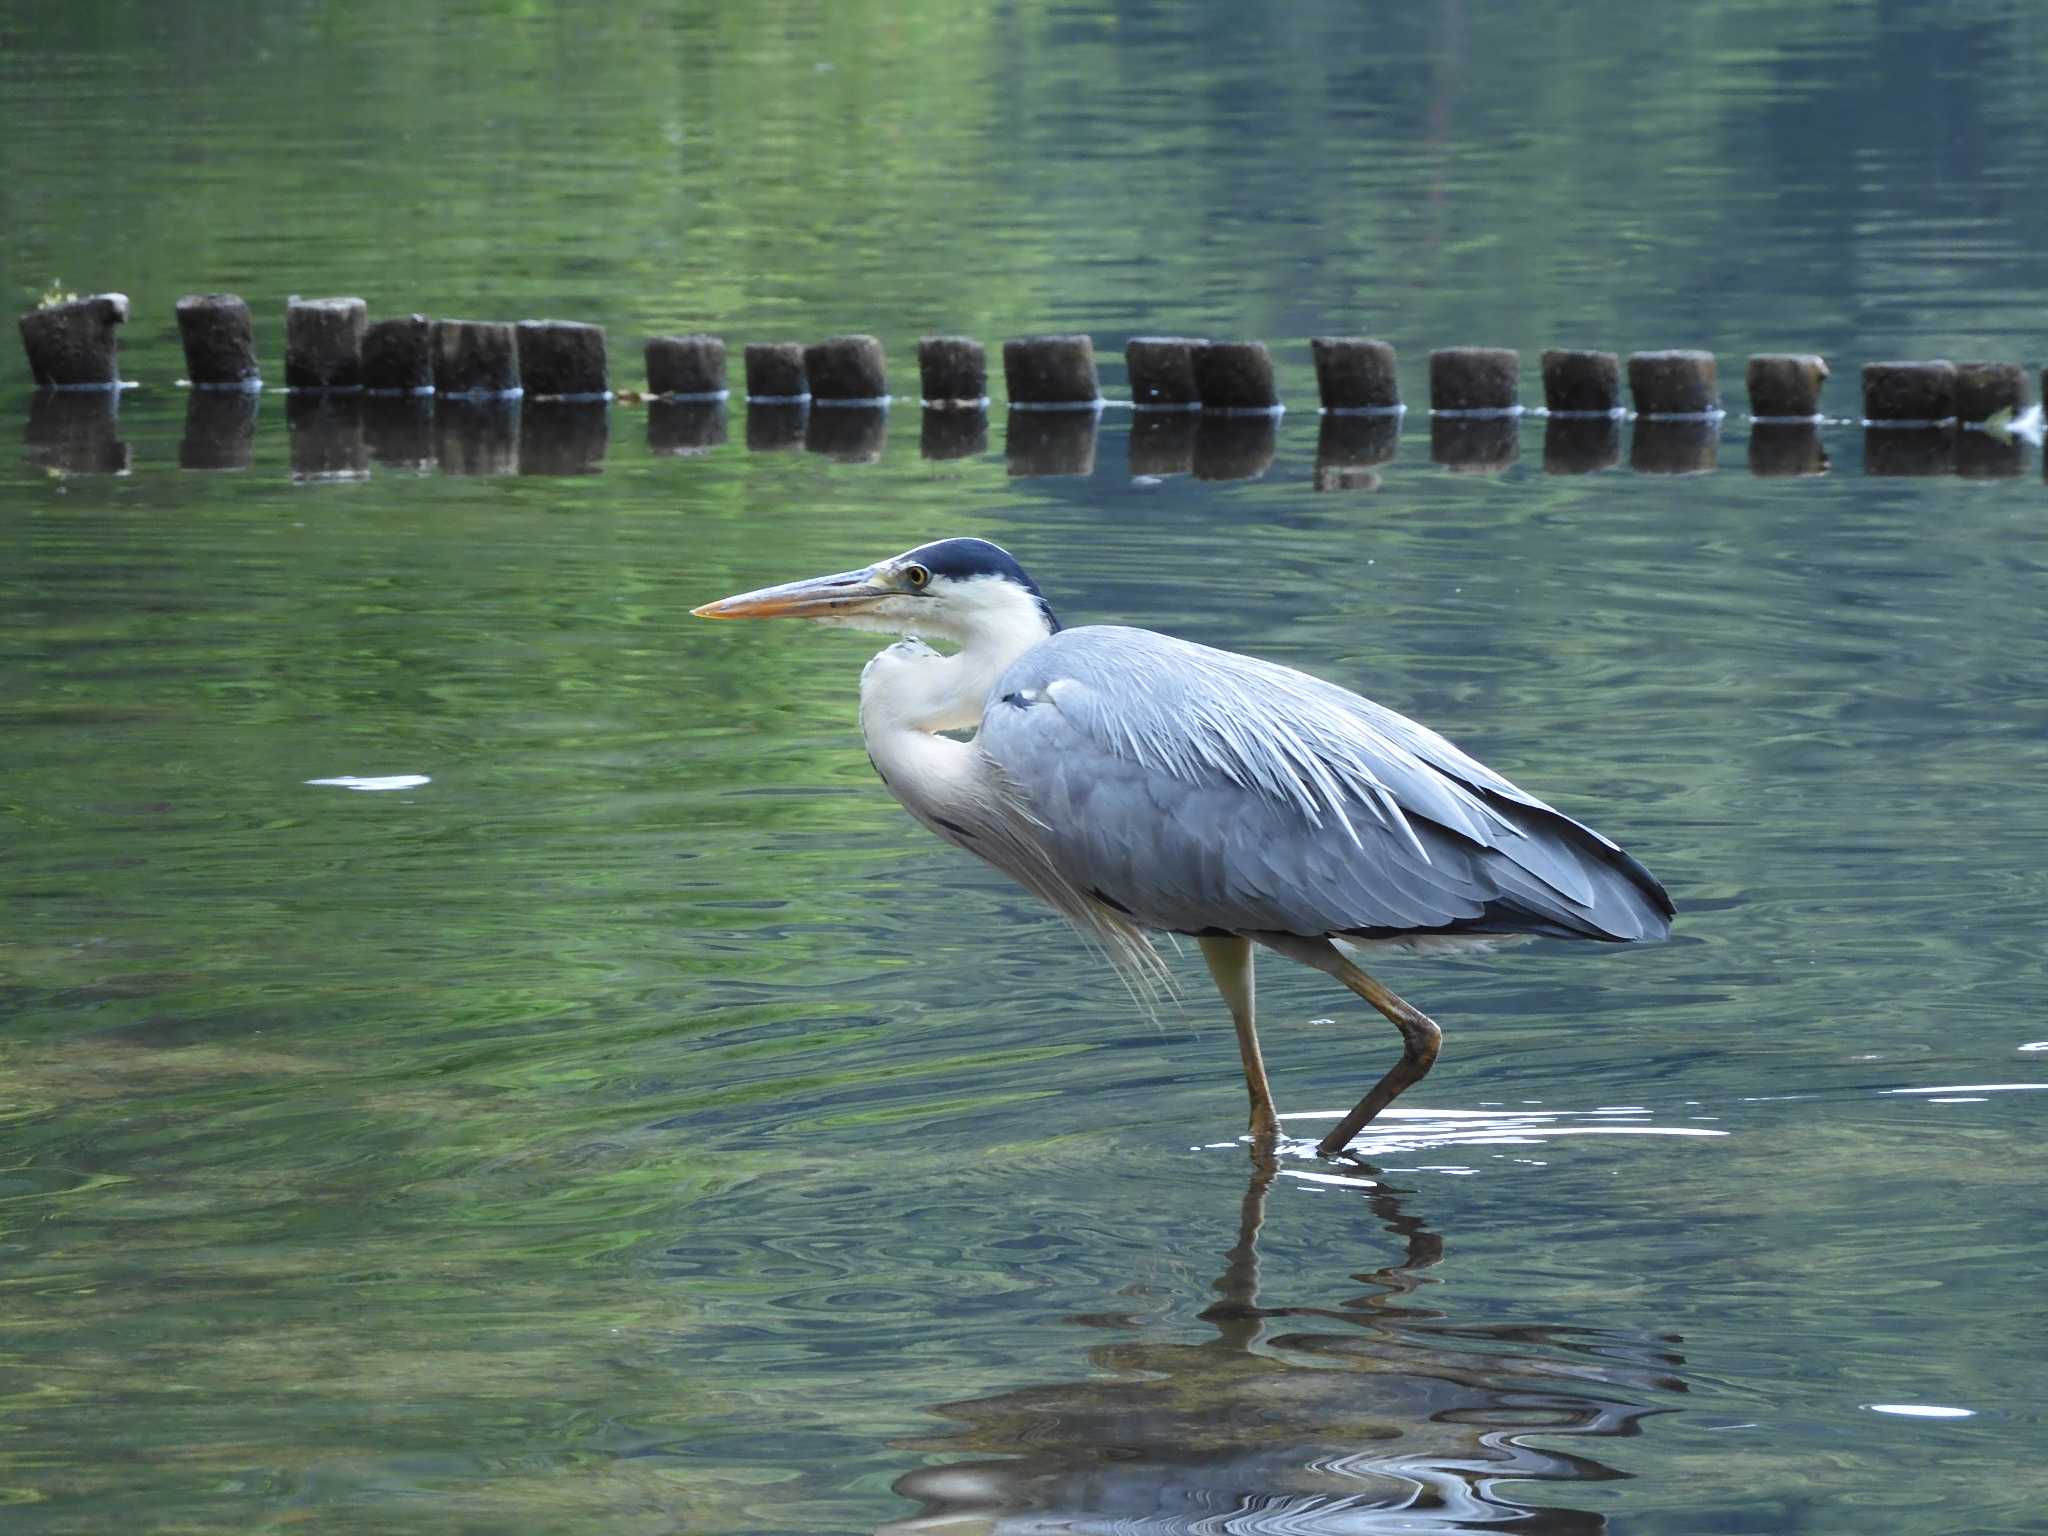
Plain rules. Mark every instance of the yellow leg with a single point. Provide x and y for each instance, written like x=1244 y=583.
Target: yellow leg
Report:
x=1420 y=1036
x=1230 y=963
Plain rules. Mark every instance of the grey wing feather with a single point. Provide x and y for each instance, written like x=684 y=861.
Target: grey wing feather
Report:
x=1198 y=791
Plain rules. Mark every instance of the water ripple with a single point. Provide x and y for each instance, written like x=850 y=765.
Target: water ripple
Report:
x=1401 y=1129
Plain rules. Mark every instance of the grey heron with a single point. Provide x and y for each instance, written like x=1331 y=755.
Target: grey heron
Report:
x=1139 y=783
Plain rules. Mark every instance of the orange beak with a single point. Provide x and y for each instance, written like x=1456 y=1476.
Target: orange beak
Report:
x=819 y=597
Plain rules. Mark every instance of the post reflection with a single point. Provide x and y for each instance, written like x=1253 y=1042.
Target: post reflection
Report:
x=1376 y=1414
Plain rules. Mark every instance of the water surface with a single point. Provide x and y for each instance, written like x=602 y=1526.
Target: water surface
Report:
x=627 y=1120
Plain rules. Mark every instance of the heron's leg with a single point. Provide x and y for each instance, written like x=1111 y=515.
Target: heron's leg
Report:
x=1420 y=1037
x=1419 y=1034
x=1230 y=962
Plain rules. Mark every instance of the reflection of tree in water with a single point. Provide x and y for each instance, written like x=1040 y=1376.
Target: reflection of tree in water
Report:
x=1370 y=1416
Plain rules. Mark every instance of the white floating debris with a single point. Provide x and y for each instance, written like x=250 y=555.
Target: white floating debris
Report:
x=388 y=781
x=1922 y=1410
x=1974 y=1088
x=2035 y=1045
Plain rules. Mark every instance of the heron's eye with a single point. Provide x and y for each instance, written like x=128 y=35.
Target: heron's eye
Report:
x=917 y=576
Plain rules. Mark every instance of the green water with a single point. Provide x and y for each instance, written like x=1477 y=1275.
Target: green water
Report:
x=642 y=1126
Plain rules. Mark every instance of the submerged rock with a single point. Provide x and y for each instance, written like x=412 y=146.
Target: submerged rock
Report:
x=1474 y=379
x=689 y=366
x=1581 y=383
x=1051 y=370
x=1785 y=385
x=1909 y=392
x=847 y=370
x=398 y=356
x=475 y=358
x=1355 y=373
x=775 y=373
x=73 y=345
x=220 y=341
x=952 y=373
x=323 y=343
x=1161 y=372
x=1985 y=389
x=1234 y=376
x=563 y=360
x=1674 y=383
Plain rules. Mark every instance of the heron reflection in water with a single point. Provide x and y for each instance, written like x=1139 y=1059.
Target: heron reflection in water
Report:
x=1140 y=783
x=1374 y=1415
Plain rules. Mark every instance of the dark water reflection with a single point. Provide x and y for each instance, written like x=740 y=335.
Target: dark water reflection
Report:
x=76 y=434
x=1039 y=443
x=1376 y=1413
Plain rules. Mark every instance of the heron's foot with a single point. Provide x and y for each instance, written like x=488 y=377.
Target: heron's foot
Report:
x=1330 y=1147
x=1343 y=1146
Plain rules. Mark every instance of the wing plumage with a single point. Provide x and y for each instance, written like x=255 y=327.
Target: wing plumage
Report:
x=1200 y=791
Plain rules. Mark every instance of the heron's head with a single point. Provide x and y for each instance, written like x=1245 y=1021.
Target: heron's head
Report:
x=952 y=589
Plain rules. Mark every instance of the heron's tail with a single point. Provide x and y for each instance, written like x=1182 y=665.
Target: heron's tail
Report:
x=1564 y=880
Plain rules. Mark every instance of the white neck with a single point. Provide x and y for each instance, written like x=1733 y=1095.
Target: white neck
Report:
x=910 y=686
x=909 y=693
